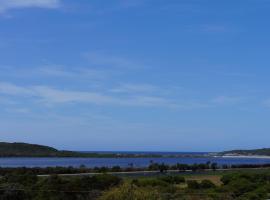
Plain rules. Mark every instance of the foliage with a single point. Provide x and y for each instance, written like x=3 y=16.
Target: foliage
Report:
x=207 y=184
x=30 y=187
x=24 y=185
x=193 y=185
x=172 y=179
x=263 y=152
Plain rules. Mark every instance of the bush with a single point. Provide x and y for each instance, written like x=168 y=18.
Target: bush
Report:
x=241 y=186
x=193 y=185
x=173 y=179
x=153 y=182
x=206 y=184
x=103 y=181
x=23 y=179
x=13 y=192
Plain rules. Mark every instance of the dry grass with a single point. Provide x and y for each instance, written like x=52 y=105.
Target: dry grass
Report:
x=214 y=178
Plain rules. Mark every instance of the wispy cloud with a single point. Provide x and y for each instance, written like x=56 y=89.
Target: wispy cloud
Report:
x=6 y=101
x=97 y=66
x=55 y=71
x=11 y=89
x=6 y=5
x=109 y=61
x=137 y=88
x=227 y=100
x=126 y=95
x=18 y=110
x=51 y=96
x=60 y=71
x=266 y=103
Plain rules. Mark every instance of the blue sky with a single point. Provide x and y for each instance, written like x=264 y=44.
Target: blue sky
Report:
x=150 y=75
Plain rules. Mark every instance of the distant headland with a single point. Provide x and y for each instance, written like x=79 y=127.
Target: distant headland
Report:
x=18 y=149
x=260 y=153
x=34 y=150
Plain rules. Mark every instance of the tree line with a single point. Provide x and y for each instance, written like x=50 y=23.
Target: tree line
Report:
x=160 y=167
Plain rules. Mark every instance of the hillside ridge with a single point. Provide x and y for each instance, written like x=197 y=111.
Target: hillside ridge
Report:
x=251 y=152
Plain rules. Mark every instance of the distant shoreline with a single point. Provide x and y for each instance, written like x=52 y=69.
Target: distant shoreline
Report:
x=116 y=156
x=16 y=150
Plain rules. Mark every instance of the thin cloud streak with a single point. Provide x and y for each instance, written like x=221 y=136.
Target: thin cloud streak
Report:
x=11 y=89
x=111 y=61
x=6 y=5
x=131 y=88
x=140 y=95
x=59 y=71
x=227 y=100
x=50 y=95
x=56 y=71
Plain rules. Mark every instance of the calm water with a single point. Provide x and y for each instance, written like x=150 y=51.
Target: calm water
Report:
x=123 y=162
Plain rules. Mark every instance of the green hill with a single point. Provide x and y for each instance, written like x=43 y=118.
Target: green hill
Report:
x=254 y=152
x=23 y=149
x=34 y=150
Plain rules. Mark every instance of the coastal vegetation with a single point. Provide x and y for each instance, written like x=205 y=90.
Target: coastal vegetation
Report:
x=253 y=152
x=154 y=168
x=246 y=185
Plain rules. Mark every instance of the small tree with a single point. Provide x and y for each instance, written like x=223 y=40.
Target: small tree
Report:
x=214 y=166
x=163 y=168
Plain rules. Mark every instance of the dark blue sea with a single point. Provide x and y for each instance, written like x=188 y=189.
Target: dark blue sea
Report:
x=124 y=162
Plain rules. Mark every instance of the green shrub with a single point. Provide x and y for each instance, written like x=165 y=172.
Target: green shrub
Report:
x=207 y=184
x=193 y=184
x=153 y=182
x=172 y=179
